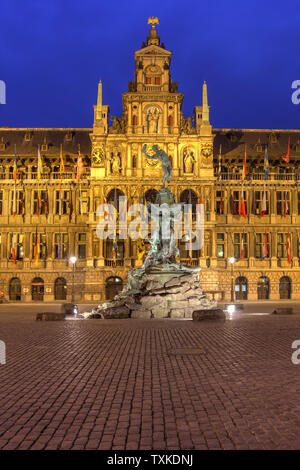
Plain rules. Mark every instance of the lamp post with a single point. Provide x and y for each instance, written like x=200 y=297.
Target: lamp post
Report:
x=73 y=260
x=231 y=261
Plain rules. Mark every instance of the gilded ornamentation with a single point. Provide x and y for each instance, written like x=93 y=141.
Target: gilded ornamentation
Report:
x=207 y=150
x=98 y=156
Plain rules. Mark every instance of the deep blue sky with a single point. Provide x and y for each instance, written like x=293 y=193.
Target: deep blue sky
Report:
x=53 y=52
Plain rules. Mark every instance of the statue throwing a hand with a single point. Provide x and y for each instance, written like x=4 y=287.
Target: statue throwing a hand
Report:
x=165 y=161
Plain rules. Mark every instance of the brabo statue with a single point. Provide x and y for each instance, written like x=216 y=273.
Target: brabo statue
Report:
x=165 y=161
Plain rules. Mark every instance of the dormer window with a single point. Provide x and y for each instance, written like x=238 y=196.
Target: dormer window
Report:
x=233 y=138
x=44 y=147
x=298 y=148
x=27 y=137
x=273 y=139
x=259 y=148
x=2 y=145
x=69 y=137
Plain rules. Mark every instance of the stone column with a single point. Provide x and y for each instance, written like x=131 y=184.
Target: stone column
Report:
x=129 y=161
x=175 y=161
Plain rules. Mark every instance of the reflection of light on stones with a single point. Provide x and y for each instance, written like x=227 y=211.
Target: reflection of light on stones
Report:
x=230 y=311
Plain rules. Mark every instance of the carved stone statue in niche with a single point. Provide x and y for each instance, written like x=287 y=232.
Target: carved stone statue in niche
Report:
x=188 y=161
x=152 y=120
x=186 y=125
x=119 y=125
x=115 y=163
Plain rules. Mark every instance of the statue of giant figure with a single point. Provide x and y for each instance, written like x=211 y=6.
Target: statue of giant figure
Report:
x=165 y=161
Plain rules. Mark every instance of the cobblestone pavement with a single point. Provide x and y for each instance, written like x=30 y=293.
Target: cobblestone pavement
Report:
x=100 y=384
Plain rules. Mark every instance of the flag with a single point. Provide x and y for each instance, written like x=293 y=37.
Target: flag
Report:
x=79 y=167
x=115 y=250
x=13 y=248
x=243 y=212
x=105 y=208
x=61 y=161
x=264 y=203
x=288 y=248
x=266 y=164
x=244 y=172
x=39 y=165
x=266 y=245
x=220 y=166
x=242 y=246
x=286 y=158
x=15 y=166
x=36 y=247
x=14 y=205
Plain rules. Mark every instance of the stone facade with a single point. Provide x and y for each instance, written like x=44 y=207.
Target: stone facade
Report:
x=207 y=167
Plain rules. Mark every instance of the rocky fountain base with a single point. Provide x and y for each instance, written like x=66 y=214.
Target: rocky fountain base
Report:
x=164 y=291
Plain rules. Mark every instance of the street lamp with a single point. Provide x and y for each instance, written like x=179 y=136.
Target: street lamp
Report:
x=73 y=260
x=231 y=261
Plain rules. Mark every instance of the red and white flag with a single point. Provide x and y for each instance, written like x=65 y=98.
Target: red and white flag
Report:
x=79 y=167
x=243 y=212
x=13 y=248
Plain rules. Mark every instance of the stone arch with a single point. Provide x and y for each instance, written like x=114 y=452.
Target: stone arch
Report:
x=15 y=289
x=113 y=286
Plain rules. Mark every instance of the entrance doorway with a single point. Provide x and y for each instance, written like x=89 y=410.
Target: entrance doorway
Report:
x=285 y=287
x=263 y=288
x=112 y=287
x=37 y=289
x=60 y=289
x=15 y=289
x=241 y=288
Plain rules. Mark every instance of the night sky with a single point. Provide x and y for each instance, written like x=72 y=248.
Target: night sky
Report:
x=53 y=52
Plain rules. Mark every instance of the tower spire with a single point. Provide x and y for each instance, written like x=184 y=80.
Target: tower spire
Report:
x=99 y=101
x=205 y=107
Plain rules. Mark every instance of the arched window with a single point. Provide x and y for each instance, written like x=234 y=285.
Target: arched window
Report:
x=60 y=289
x=285 y=287
x=263 y=288
x=133 y=161
x=170 y=120
x=241 y=288
x=134 y=120
x=113 y=197
x=15 y=289
x=112 y=287
x=150 y=195
x=37 y=289
x=188 y=196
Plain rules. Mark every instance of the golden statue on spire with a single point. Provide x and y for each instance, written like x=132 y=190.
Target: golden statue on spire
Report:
x=152 y=21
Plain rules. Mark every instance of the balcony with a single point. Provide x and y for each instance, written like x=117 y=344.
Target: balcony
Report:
x=66 y=175
x=260 y=177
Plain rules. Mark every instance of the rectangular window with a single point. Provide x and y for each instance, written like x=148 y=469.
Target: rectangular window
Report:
x=82 y=239
x=1 y=202
x=16 y=242
x=42 y=245
x=240 y=245
x=220 y=245
x=40 y=202
x=17 y=202
x=258 y=202
x=220 y=202
x=157 y=80
x=148 y=80
x=283 y=203
x=260 y=251
x=281 y=245
x=62 y=202
x=235 y=202
x=61 y=245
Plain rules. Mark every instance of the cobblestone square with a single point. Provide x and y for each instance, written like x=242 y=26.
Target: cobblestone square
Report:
x=132 y=384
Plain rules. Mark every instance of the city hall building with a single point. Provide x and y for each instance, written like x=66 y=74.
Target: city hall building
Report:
x=48 y=215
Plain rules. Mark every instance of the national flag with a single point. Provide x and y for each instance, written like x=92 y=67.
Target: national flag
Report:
x=14 y=207
x=39 y=165
x=79 y=167
x=106 y=213
x=243 y=212
x=15 y=169
x=266 y=245
x=220 y=165
x=115 y=250
x=286 y=158
x=266 y=164
x=264 y=203
x=36 y=247
x=61 y=161
x=13 y=248
x=288 y=248
x=242 y=246
x=245 y=172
